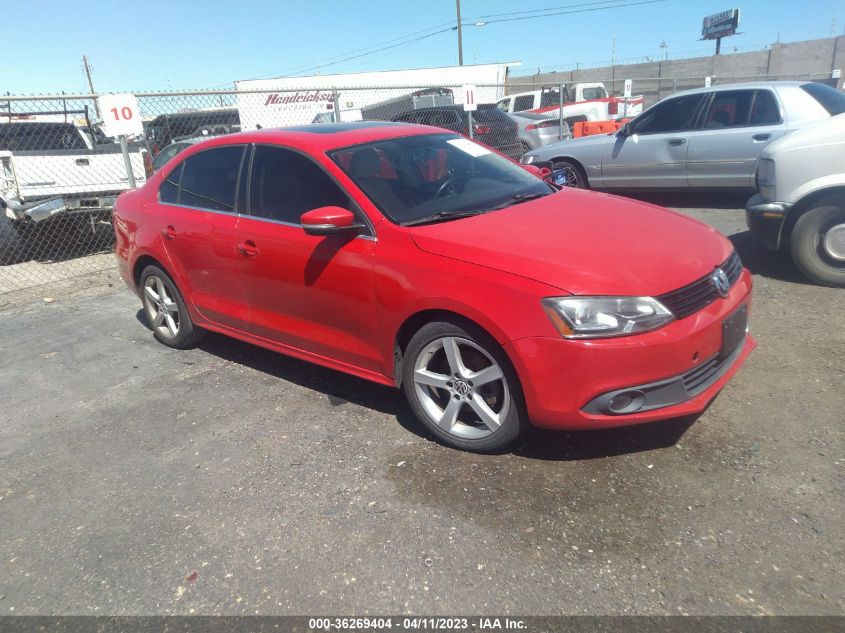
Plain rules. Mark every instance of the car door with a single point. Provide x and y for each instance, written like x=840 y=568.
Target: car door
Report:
x=736 y=126
x=308 y=292
x=197 y=214
x=654 y=153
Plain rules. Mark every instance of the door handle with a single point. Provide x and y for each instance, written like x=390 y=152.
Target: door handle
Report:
x=762 y=137
x=81 y=161
x=248 y=248
x=168 y=232
x=677 y=141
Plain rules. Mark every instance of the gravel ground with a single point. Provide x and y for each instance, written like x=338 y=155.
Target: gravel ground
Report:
x=226 y=479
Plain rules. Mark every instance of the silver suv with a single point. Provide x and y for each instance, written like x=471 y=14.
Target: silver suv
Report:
x=703 y=138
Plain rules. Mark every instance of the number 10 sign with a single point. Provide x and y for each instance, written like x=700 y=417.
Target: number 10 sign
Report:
x=120 y=115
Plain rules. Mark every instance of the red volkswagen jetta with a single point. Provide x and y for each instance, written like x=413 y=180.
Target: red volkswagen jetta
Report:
x=414 y=257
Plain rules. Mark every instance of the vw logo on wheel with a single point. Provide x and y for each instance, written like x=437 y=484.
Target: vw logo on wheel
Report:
x=721 y=282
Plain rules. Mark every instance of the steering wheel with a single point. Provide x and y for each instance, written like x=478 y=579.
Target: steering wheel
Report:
x=451 y=181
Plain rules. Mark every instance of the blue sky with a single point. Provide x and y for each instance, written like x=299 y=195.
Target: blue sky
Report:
x=180 y=44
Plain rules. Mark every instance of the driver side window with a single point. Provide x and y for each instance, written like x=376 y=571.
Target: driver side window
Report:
x=676 y=114
x=285 y=184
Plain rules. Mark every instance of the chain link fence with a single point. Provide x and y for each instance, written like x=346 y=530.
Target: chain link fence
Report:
x=60 y=174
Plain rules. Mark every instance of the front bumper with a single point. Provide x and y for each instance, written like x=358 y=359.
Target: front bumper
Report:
x=766 y=219
x=561 y=378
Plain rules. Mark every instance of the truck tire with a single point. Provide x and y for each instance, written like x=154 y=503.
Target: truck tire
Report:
x=818 y=242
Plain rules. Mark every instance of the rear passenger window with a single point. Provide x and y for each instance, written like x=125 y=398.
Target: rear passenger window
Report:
x=210 y=177
x=765 y=109
x=168 y=192
x=525 y=102
x=729 y=109
x=286 y=184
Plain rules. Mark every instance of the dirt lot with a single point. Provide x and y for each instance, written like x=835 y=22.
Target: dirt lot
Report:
x=226 y=479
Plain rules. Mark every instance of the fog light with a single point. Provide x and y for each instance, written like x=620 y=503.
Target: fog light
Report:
x=626 y=402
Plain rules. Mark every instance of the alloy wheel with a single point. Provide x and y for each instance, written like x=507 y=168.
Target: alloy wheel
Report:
x=161 y=307
x=461 y=387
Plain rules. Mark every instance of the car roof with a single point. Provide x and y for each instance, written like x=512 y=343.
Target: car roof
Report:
x=325 y=136
x=742 y=86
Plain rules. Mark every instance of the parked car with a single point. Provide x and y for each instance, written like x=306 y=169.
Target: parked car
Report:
x=548 y=100
x=416 y=258
x=490 y=126
x=167 y=128
x=536 y=130
x=52 y=173
x=388 y=109
x=706 y=138
x=801 y=197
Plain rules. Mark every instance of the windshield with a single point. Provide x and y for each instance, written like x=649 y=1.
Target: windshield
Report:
x=830 y=98
x=413 y=177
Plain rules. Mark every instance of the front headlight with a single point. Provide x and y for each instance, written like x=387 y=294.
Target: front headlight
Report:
x=527 y=159
x=599 y=317
x=766 y=178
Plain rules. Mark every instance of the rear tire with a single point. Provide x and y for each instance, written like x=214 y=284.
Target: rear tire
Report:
x=818 y=243
x=575 y=176
x=462 y=388
x=166 y=312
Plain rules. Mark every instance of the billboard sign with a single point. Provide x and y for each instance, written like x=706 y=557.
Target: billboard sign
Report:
x=720 y=24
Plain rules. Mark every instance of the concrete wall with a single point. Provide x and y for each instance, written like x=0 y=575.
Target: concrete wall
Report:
x=813 y=59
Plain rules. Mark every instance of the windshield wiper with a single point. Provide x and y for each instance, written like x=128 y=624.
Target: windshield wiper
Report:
x=443 y=216
x=520 y=197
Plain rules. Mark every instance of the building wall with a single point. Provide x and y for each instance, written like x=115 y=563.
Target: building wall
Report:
x=812 y=59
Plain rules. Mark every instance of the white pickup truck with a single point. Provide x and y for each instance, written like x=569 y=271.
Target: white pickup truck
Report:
x=51 y=170
x=588 y=99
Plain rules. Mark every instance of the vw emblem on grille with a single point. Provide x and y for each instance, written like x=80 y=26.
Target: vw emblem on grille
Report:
x=721 y=282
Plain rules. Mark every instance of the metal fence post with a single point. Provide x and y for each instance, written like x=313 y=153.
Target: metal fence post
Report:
x=469 y=119
x=336 y=105
x=124 y=149
x=560 y=112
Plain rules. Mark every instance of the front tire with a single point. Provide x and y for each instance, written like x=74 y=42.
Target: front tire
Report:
x=818 y=243
x=574 y=175
x=166 y=311
x=462 y=387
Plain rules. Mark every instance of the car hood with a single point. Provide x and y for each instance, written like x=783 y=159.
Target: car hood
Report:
x=584 y=243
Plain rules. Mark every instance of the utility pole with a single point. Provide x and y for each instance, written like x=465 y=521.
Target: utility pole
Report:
x=460 y=36
x=90 y=83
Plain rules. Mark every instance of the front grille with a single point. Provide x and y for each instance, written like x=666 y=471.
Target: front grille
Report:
x=702 y=292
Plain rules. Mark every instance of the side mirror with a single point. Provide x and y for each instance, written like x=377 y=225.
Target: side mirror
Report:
x=533 y=170
x=330 y=221
x=625 y=130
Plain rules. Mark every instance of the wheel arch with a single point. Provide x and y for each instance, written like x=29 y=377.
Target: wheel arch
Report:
x=412 y=324
x=141 y=263
x=808 y=203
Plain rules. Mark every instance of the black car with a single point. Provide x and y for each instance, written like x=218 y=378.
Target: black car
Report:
x=490 y=126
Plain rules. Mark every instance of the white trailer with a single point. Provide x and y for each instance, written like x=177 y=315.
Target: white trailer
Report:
x=299 y=100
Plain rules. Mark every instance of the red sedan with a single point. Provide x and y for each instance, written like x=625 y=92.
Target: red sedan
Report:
x=414 y=257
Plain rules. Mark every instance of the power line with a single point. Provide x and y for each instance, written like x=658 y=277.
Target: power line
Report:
x=589 y=7
x=565 y=6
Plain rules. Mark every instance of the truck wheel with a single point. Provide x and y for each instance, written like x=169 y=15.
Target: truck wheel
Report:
x=166 y=311
x=574 y=175
x=818 y=243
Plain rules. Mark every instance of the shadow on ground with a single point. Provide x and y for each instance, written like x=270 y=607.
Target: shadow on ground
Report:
x=694 y=199
x=342 y=388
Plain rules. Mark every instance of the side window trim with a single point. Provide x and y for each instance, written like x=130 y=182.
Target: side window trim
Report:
x=246 y=157
x=362 y=217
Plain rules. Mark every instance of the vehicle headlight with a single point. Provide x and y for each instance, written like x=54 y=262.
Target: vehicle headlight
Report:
x=527 y=159
x=599 y=317
x=766 y=178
